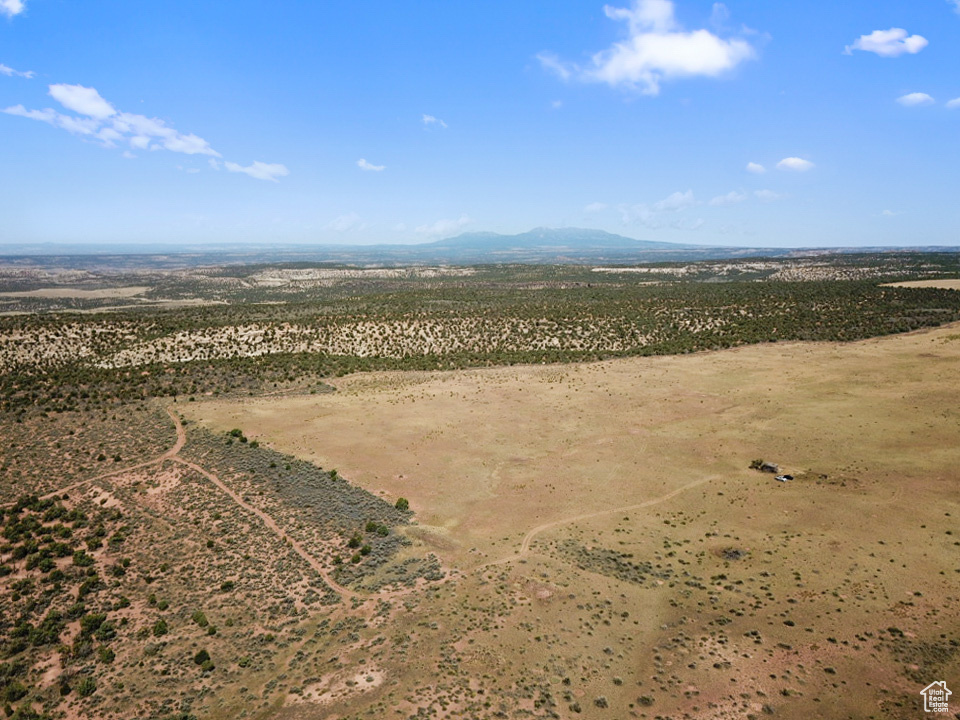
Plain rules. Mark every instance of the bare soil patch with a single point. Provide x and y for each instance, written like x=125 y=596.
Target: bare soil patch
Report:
x=65 y=292
x=945 y=284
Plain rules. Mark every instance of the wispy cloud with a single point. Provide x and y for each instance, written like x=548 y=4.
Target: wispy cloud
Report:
x=261 y=171
x=756 y=168
x=767 y=195
x=10 y=72
x=656 y=49
x=595 y=207
x=795 y=164
x=915 y=99
x=651 y=215
x=346 y=223
x=888 y=43
x=563 y=70
x=11 y=7
x=444 y=227
x=429 y=120
x=82 y=100
x=731 y=198
x=98 y=120
x=676 y=201
x=955 y=103
x=364 y=165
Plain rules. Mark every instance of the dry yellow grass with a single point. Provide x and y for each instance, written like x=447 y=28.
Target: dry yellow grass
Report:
x=64 y=292
x=945 y=284
x=860 y=542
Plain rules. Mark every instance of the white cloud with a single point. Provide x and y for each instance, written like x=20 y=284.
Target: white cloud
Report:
x=364 y=165
x=955 y=103
x=719 y=15
x=188 y=144
x=431 y=120
x=956 y=5
x=344 y=223
x=83 y=100
x=10 y=72
x=767 y=195
x=731 y=198
x=595 y=207
x=795 y=164
x=889 y=213
x=11 y=7
x=260 y=171
x=657 y=48
x=676 y=201
x=648 y=215
x=70 y=123
x=444 y=227
x=98 y=120
x=558 y=67
x=756 y=168
x=915 y=99
x=47 y=116
x=888 y=43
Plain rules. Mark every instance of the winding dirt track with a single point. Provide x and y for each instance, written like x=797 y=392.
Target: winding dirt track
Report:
x=528 y=538
x=173 y=454
x=270 y=523
x=168 y=455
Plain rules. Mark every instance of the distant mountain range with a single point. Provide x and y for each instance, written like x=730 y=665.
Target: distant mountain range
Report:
x=550 y=239
x=540 y=245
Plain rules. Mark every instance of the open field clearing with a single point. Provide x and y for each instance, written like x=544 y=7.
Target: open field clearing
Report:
x=735 y=593
x=122 y=292
x=946 y=284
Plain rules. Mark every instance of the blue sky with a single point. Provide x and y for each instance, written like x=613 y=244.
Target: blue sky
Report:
x=751 y=122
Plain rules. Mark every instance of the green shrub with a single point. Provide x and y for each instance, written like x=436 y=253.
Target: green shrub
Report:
x=402 y=504
x=90 y=622
x=86 y=687
x=81 y=559
x=14 y=691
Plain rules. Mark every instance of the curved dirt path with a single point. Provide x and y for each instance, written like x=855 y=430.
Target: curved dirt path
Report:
x=168 y=455
x=528 y=538
x=272 y=525
x=173 y=454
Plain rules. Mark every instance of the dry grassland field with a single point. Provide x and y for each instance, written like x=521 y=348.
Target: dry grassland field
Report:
x=614 y=549
x=494 y=493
